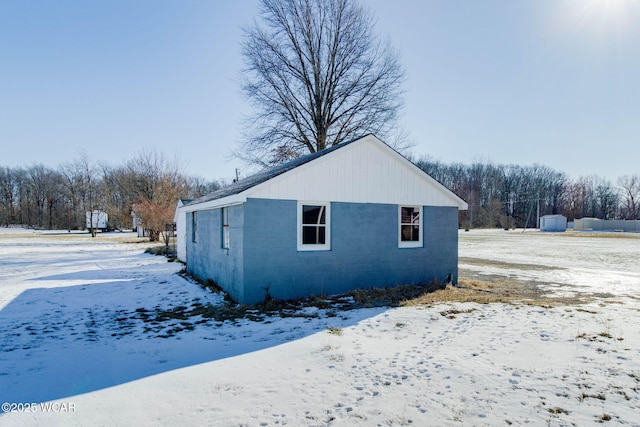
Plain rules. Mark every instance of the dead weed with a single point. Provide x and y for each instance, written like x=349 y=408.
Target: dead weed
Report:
x=486 y=292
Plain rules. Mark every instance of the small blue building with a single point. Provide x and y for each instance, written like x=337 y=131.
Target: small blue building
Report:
x=354 y=216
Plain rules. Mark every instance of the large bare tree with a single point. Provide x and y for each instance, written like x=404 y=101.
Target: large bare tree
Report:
x=317 y=75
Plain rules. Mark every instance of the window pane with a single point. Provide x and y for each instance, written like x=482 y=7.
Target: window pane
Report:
x=415 y=218
x=225 y=216
x=410 y=226
x=225 y=228
x=313 y=235
x=225 y=237
x=313 y=214
x=410 y=216
x=194 y=226
x=406 y=233
x=415 y=233
x=406 y=215
x=321 y=238
x=410 y=233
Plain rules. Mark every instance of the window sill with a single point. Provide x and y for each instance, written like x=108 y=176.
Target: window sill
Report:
x=410 y=245
x=314 y=248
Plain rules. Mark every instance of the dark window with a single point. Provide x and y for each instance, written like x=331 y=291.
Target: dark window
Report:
x=194 y=226
x=410 y=224
x=225 y=228
x=314 y=223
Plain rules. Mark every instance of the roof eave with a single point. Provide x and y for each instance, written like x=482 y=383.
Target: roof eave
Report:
x=234 y=199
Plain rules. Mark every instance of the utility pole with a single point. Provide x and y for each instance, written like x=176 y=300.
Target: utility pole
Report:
x=538 y=220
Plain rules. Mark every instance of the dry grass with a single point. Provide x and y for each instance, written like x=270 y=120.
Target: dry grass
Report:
x=486 y=292
x=601 y=234
x=334 y=331
x=505 y=264
x=494 y=290
x=393 y=295
x=467 y=290
x=44 y=235
x=76 y=236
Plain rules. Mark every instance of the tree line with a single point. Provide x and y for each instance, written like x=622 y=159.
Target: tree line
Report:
x=39 y=196
x=515 y=196
x=505 y=196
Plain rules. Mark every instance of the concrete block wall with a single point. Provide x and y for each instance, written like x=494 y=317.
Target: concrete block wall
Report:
x=263 y=257
x=364 y=250
x=207 y=259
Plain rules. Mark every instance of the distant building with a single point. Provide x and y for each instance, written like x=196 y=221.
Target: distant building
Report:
x=553 y=223
x=137 y=225
x=596 y=224
x=97 y=220
x=356 y=215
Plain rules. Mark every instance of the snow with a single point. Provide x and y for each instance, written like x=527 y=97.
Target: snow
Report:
x=570 y=263
x=78 y=332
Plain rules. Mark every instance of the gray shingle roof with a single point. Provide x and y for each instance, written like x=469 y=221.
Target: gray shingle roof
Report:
x=267 y=174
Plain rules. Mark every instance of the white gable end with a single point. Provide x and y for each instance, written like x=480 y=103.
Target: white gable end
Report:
x=365 y=171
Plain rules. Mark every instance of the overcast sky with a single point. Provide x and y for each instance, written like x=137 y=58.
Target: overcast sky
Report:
x=555 y=82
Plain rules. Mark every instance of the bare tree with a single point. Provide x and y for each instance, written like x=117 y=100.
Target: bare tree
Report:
x=156 y=184
x=607 y=198
x=575 y=200
x=197 y=186
x=83 y=187
x=80 y=189
x=630 y=194
x=118 y=196
x=8 y=195
x=154 y=217
x=40 y=195
x=491 y=214
x=317 y=76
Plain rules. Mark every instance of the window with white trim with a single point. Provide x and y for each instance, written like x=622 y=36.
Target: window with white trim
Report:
x=313 y=226
x=194 y=226
x=225 y=228
x=410 y=230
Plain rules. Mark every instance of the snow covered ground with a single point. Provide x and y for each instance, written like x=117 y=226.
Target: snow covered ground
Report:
x=567 y=264
x=82 y=343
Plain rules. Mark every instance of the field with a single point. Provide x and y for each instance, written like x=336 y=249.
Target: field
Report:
x=543 y=330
